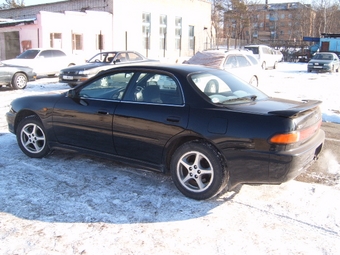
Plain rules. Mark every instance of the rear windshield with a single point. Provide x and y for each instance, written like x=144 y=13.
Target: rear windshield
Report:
x=223 y=88
x=255 y=50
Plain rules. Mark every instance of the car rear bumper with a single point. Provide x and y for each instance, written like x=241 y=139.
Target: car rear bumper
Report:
x=288 y=165
x=265 y=167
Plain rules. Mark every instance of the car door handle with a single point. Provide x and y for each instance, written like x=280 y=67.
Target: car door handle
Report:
x=103 y=112
x=173 y=119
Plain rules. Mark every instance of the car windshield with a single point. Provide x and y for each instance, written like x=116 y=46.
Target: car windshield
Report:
x=29 y=54
x=323 y=56
x=223 y=88
x=104 y=57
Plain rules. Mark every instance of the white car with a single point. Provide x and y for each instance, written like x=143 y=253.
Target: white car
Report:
x=43 y=61
x=238 y=62
x=265 y=55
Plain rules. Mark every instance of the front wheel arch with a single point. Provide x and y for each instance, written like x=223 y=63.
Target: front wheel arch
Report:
x=19 y=81
x=32 y=137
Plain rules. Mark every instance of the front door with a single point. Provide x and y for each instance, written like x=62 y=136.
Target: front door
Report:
x=85 y=120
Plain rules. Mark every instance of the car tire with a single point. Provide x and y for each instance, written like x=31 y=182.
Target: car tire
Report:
x=19 y=81
x=275 y=65
x=254 y=81
x=198 y=170
x=31 y=137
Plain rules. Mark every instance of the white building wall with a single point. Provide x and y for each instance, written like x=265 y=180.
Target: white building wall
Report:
x=76 y=23
x=127 y=20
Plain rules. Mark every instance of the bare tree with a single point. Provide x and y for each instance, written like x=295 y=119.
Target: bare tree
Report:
x=9 y=4
x=327 y=16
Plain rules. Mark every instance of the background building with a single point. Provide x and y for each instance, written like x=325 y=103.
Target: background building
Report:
x=168 y=29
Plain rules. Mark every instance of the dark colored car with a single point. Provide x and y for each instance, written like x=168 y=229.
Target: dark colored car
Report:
x=205 y=126
x=75 y=75
x=324 y=61
x=16 y=76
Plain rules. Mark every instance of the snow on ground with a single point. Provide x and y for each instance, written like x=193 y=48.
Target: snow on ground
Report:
x=68 y=203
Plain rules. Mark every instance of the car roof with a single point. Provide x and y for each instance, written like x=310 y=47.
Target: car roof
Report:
x=226 y=52
x=44 y=49
x=119 y=51
x=178 y=68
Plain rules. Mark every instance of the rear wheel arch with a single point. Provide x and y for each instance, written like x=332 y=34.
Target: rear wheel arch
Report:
x=254 y=81
x=199 y=170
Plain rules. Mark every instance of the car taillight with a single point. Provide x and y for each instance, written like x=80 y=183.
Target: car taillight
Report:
x=296 y=136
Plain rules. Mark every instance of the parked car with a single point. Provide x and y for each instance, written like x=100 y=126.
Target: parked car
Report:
x=44 y=61
x=241 y=63
x=324 y=61
x=265 y=55
x=15 y=76
x=75 y=75
x=279 y=55
x=207 y=128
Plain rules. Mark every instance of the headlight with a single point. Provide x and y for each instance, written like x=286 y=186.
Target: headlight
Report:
x=310 y=64
x=61 y=72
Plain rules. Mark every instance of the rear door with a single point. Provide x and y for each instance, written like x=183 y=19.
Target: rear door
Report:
x=152 y=112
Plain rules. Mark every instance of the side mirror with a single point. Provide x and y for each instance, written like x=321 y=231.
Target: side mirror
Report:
x=71 y=93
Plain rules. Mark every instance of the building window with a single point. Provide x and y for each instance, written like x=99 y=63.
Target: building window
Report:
x=178 y=32
x=282 y=16
x=55 y=40
x=99 y=42
x=146 y=29
x=162 y=31
x=191 y=38
x=77 y=42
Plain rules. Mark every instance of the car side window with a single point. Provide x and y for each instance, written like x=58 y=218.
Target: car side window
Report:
x=134 y=56
x=110 y=87
x=46 y=54
x=253 y=60
x=122 y=57
x=231 y=62
x=157 y=88
x=242 y=61
x=58 y=53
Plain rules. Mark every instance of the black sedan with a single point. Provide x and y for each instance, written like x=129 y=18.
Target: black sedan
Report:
x=75 y=75
x=15 y=76
x=207 y=128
